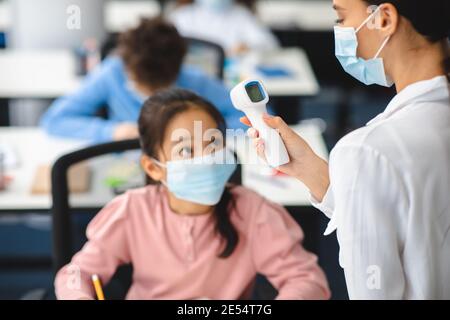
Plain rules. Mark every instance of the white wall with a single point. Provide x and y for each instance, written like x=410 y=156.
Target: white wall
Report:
x=43 y=23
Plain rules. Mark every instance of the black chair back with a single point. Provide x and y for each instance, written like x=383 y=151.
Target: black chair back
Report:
x=62 y=225
x=205 y=55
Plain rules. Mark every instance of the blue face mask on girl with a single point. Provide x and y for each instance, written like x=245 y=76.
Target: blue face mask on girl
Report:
x=200 y=180
x=367 y=71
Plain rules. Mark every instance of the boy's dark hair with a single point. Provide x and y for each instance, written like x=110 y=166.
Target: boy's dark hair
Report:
x=153 y=52
x=154 y=118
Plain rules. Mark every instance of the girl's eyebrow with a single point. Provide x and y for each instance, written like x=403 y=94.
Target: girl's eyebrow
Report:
x=338 y=8
x=180 y=139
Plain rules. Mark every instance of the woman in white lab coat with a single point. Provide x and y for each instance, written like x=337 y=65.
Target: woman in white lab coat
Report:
x=386 y=188
x=228 y=23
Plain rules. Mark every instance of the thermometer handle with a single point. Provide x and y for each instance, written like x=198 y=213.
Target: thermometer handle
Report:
x=274 y=148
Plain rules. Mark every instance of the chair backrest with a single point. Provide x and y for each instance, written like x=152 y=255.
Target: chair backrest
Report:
x=62 y=225
x=204 y=55
x=63 y=248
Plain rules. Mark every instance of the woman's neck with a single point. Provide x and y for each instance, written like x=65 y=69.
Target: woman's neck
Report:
x=418 y=63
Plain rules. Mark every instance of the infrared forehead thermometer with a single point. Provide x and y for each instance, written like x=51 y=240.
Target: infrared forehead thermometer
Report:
x=251 y=97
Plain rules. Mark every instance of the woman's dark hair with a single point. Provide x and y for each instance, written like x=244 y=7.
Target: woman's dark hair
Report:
x=153 y=52
x=430 y=18
x=155 y=116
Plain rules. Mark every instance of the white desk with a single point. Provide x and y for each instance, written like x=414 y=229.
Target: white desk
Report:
x=122 y=15
x=35 y=148
x=283 y=189
x=301 y=82
x=37 y=74
x=51 y=73
x=312 y=15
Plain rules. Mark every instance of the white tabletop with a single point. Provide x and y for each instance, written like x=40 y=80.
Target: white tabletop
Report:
x=308 y=15
x=51 y=73
x=122 y=15
x=35 y=148
x=301 y=80
x=37 y=74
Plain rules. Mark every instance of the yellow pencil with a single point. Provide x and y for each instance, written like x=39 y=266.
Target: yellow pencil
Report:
x=98 y=287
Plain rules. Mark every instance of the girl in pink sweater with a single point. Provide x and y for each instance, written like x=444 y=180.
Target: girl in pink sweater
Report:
x=189 y=234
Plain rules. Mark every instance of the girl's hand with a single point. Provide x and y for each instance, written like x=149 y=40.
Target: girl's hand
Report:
x=239 y=49
x=125 y=131
x=305 y=165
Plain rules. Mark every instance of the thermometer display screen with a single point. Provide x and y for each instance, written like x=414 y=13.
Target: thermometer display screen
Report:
x=255 y=92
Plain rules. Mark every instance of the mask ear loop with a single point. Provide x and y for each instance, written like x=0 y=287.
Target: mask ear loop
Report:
x=365 y=22
x=368 y=19
x=159 y=163
x=162 y=165
x=382 y=46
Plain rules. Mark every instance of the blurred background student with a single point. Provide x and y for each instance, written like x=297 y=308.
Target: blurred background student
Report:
x=148 y=58
x=230 y=23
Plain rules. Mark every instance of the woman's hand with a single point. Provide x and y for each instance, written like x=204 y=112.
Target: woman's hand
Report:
x=305 y=165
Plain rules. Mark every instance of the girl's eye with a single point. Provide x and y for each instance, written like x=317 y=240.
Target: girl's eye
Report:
x=339 y=21
x=185 y=152
x=216 y=141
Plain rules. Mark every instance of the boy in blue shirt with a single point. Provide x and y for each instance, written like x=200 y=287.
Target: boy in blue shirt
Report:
x=148 y=58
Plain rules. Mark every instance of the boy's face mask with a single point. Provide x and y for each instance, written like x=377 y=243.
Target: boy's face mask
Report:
x=200 y=180
x=367 y=71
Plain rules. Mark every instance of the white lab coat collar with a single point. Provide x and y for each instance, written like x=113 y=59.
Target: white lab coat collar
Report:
x=426 y=90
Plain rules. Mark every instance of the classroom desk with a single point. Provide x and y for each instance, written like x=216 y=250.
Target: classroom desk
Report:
x=122 y=15
x=33 y=148
x=37 y=73
x=306 y=15
x=300 y=82
x=284 y=190
x=51 y=73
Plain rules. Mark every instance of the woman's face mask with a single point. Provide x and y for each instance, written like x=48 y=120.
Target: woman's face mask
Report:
x=367 y=71
x=200 y=180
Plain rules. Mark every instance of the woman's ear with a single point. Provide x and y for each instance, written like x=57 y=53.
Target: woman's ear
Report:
x=151 y=168
x=388 y=19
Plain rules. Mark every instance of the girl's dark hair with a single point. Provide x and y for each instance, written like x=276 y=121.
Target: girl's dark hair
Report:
x=430 y=18
x=155 y=116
